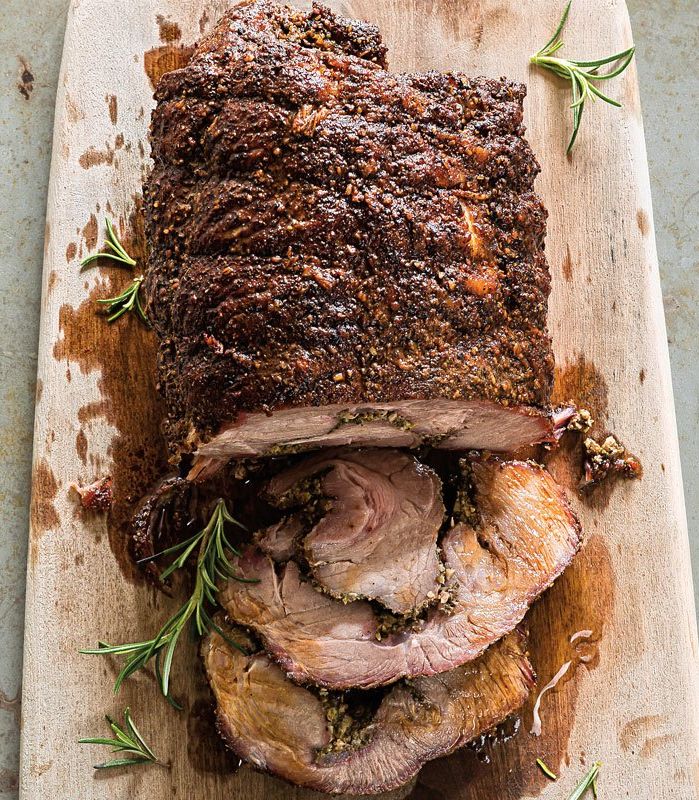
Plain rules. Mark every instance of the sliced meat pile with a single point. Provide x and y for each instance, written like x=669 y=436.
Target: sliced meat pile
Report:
x=310 y=740
x=340 y=254
x=526 y=535
x=378 y=540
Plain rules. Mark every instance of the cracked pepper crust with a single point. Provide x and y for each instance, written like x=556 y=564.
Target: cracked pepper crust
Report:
x=324 y=231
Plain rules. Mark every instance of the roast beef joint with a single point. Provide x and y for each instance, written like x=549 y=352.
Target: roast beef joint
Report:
x=350 y=261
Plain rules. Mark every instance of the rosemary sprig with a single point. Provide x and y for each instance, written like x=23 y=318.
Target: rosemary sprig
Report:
x=581 y=74
x=115 y=250
x=589 y=781
x=546 y=770
x=212 y=565
x=128 y=743
x=128 y=300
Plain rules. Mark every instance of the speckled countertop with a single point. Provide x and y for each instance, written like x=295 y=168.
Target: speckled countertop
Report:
x=31 y=37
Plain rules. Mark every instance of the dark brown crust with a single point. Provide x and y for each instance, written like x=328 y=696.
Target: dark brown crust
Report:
x=324 y=231
x=160 y=521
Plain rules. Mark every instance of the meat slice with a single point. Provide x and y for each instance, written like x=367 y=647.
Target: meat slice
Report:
x=526 y=536
x=340 y=254
x=280 y=541
x=445 y=424
x=284 y=729
x=378 y=540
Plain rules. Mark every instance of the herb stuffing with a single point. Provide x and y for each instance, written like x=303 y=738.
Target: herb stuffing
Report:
x=606 y=459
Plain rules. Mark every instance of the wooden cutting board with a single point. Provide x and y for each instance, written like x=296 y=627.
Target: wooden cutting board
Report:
x=634 y=704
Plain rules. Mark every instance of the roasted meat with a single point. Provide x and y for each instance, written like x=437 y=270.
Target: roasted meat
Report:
x=281 y=540
x=525 y=536
x=323 y=742
x=340 y=254
x=351 y=260
x=377 y=538
x=97 y=496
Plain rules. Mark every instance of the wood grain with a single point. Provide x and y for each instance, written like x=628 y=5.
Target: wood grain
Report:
x=634 y=705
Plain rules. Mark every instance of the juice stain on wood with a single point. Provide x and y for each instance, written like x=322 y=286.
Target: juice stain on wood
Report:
x=578 y=382
x=112 y=105
x=42 y=511
x=168 y=30
x=159 y=60
x=124 y=355
x=581 y=599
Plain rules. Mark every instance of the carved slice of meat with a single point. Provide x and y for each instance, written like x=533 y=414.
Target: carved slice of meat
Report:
x=378 y=540
x=279 y=541
x=313 y=741
x=446 y=424
x=526 y=537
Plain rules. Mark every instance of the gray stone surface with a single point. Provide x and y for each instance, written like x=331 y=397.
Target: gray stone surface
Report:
x=667 y=36
x=31 y=38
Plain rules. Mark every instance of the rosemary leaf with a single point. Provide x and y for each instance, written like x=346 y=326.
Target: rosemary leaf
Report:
x=127 y=742
x=582 y=75
x=128 y=300
x=133 y=730
x=546 y=770
x=121 y=762
x=589 y=781
x=115 y=250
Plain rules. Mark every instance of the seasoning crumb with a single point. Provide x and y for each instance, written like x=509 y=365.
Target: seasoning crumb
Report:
x=97 y=496
x=606 y=459
x=582 y=421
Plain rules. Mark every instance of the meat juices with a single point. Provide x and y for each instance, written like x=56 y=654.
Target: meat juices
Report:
x=341 y=256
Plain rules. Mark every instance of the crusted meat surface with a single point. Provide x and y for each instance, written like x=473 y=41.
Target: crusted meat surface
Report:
x=324 y=232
